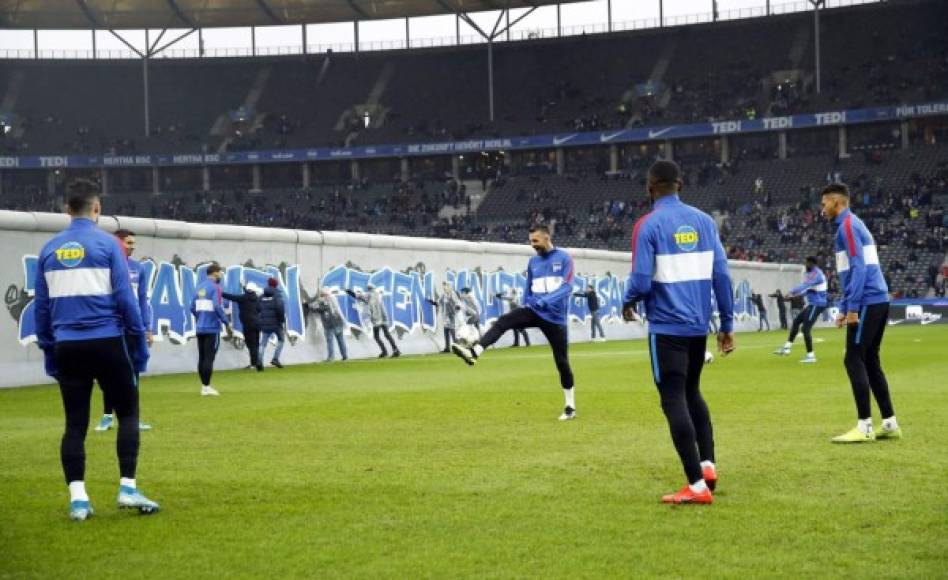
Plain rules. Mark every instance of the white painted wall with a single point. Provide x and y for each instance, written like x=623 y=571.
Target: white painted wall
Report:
x=316 y=253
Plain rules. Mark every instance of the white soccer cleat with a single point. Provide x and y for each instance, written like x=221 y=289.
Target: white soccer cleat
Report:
x=209 y=392
x=782 y=351
x=808 y=359
x=130 y=498
x=569 y=414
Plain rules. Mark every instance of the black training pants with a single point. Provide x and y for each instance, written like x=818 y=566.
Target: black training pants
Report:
x=782 y=312
x=555 y=334
x=762 y=314
x=207 y=352
x=106 y=403
x=806 y=319
x=676 y=366
x=379 y=330
x=252 y=342
x=80 y=364
x=863 y=365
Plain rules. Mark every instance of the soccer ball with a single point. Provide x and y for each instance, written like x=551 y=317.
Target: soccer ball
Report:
x=467 y=335
x=708 y=357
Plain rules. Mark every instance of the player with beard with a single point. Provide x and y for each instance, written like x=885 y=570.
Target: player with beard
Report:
x=545 y=306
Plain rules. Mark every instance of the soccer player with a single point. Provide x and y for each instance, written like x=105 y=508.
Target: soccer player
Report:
x=864 y=310
x=813 y=290
x=85 y=307
x=546 y=300
x=206 y=306
x=677 y=259
x=140 y=288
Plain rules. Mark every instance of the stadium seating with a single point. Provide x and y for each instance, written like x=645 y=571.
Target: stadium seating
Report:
x=541 y=86
x=761 y=67
x=767 y=209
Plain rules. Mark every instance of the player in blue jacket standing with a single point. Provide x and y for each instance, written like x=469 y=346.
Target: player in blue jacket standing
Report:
x=677 y=259
x=85 y=307
x=813 y=289
x=545 y=305
x=864 y=310
x=140 y=288
x=207 y=308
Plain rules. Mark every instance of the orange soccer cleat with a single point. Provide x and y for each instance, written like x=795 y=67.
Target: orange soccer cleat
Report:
x=710 y=475
x=688 y=496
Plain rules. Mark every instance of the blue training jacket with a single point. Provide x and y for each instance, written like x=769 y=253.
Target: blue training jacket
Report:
x=549 y=285
x=857 y=262
x=207 y=308
x=813 y=288
x=140 y=289
x=83 y=292
x=677 y=259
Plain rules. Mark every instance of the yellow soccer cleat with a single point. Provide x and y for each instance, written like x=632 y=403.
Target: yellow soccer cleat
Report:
x=854 y=435
x=889 y=433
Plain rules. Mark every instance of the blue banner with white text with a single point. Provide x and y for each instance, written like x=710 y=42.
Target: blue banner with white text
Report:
x=577 y=139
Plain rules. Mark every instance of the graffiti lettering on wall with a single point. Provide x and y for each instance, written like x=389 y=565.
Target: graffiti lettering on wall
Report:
x=406 y=295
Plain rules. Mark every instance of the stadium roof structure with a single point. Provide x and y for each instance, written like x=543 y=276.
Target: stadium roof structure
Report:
x=162 y=14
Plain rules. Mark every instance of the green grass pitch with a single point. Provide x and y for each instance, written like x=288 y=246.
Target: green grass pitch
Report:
x=423 y=467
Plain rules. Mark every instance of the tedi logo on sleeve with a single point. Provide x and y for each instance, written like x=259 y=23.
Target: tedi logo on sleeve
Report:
x=70 y=254
x=686 y=238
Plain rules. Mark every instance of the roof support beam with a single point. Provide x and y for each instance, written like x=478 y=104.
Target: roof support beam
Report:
x=516 y=21
x=360 y=13
x=462 y=15
x=269 y=12
x=180 y=13
x=179 y=38
x=151 y=48
x=500 y=17
x=89 y=14
x=126 y=43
